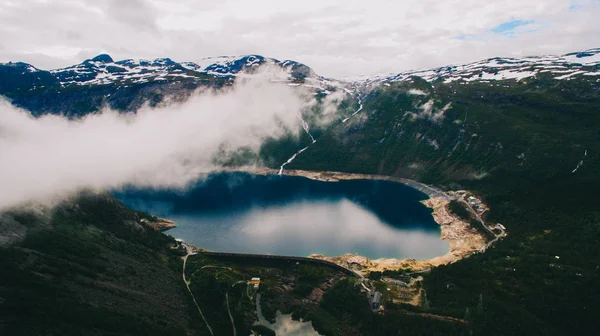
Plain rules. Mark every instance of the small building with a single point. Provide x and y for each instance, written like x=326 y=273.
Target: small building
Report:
x=255 y=282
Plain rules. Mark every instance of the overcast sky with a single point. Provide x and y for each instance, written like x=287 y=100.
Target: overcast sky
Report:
x=337 y=38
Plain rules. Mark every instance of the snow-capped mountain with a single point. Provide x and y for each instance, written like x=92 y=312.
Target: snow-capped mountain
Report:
x=584 y=64
x=128 y=84
x=162 y=74
x=102 y=69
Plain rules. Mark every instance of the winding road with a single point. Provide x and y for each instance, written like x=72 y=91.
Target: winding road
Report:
x=227 y=301
x=190 y=251
x=496 y=236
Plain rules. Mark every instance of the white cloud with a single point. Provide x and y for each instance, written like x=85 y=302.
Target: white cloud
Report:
x=337 y=37
x=429 y=111
x=49 y=157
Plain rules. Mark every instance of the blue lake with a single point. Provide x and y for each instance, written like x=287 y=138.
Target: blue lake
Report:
x=288 y=215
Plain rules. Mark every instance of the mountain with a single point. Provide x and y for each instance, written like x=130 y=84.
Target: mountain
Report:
x=576 y=65
x=536 y=116
x=521 y=133
x=102 y=70
x=90 y=266
x=127 y=84
x=448 y=123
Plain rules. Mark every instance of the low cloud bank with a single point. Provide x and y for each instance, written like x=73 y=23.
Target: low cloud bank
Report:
x=48 y=158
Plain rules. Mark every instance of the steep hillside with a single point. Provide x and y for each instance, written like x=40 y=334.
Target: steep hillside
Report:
x=90 y=267
x=457 y=124
x=521 y=133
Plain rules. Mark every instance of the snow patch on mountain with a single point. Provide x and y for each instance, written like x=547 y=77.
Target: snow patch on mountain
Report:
x=565 y=67
x=415 y=92
x=102 y=70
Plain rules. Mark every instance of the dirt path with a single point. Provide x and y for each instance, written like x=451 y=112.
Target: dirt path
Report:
x=227 y=302
x=187 y=284
x=229 y=312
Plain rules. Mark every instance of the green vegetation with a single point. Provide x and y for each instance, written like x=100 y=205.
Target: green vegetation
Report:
x=515 y=144
x=543 y=278
x=212 y=277
x=91 y=268
x=535 y=128
x=345 y=311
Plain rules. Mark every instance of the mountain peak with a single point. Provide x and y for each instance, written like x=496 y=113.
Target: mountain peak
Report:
x=104 y=58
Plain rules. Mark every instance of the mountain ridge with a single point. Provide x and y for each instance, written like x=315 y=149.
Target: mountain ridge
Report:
x=103 y=66
x=492 y=68
x=102 y=69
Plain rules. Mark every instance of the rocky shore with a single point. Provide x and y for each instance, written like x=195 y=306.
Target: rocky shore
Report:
x=464 y=240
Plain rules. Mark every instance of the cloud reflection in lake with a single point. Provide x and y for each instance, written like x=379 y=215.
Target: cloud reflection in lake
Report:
x=305 y=224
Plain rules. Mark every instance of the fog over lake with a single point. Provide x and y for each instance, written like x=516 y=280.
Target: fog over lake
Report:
x=239 y=212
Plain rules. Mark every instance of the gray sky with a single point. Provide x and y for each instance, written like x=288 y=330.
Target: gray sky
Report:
x=337 y=38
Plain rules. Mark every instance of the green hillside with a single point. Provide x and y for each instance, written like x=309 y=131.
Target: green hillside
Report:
x=516 y=144
x=90 y=267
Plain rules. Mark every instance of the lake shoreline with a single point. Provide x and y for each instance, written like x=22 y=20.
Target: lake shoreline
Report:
x=463 y=239
x=330 y=176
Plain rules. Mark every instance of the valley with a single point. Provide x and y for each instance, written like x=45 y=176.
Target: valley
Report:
x=497 y=158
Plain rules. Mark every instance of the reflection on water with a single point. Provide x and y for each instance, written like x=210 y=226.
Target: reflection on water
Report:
x=297 y=216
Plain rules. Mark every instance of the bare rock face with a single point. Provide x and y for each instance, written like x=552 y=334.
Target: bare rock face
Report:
x=160 y=224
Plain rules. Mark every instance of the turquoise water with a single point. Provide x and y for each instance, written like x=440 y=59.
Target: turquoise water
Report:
x=288 y=215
